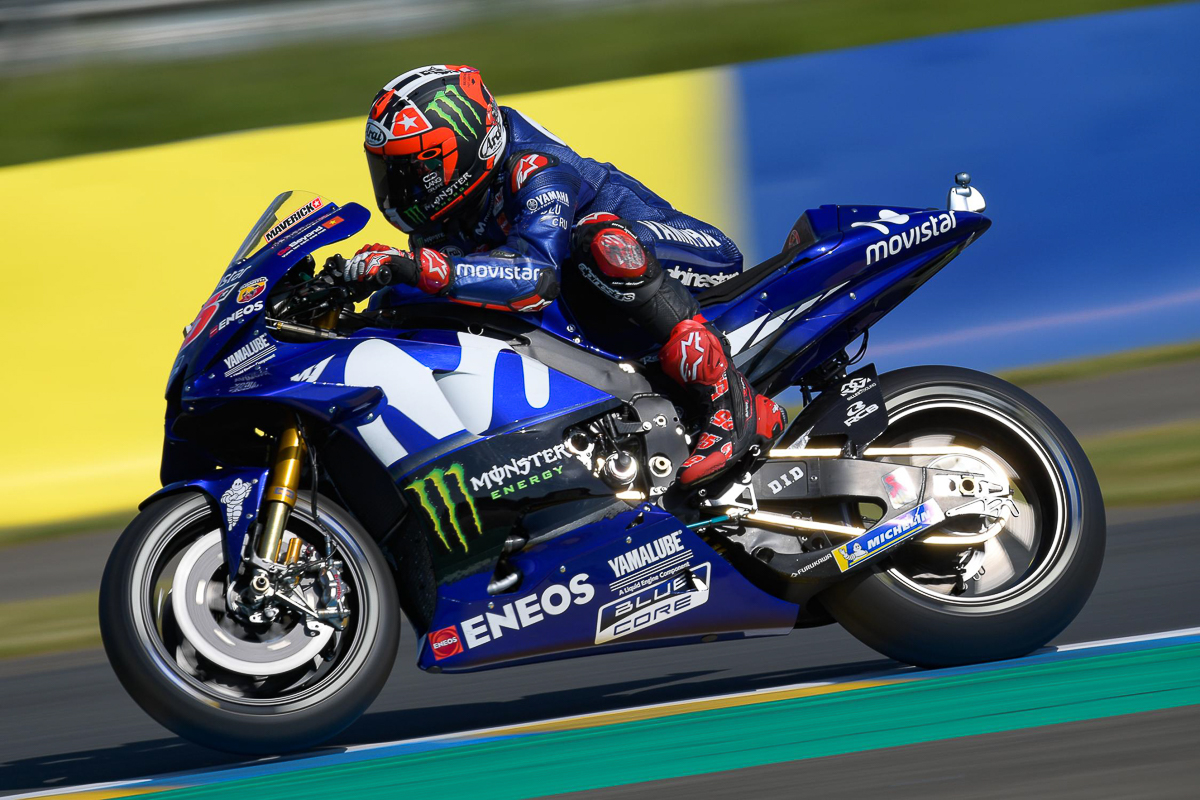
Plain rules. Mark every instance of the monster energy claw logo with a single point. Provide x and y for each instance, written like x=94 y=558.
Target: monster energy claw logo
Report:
x=414 y=214
x=449 y=99
x=442 y=495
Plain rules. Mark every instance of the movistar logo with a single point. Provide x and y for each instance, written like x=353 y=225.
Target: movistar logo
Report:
x=446 y=104
x=442 y=495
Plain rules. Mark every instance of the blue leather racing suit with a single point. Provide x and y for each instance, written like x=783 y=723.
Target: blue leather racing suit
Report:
x=512 y=254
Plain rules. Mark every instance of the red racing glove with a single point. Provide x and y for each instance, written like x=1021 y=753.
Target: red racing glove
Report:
x=427 y=269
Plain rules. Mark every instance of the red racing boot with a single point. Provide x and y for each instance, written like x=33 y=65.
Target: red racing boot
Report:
x=738 y=417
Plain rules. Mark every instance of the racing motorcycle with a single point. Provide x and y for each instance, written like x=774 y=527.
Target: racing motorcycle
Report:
x=509 y=485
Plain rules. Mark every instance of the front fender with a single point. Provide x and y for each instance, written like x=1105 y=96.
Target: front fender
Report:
x=238 y=495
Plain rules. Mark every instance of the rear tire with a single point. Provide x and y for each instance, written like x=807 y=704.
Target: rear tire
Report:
x=898 y=616
x=221 y=709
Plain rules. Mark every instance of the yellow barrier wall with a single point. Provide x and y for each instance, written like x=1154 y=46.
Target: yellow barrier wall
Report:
x=108 y=256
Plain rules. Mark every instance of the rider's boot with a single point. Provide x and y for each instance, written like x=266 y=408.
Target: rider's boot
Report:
x=737 y=416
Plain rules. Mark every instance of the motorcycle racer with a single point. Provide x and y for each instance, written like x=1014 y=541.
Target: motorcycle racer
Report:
x=501 y=214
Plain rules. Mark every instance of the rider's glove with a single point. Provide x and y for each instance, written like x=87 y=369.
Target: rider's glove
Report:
x=380 y=265
x=427 y=269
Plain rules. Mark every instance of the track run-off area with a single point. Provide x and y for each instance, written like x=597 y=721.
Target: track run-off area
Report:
x=891 y=708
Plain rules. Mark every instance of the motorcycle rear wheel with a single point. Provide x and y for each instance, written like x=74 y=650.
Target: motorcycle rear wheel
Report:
x=264 y=690
x=1043 y=565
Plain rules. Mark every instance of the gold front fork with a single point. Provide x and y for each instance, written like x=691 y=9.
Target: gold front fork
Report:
x=280 y=497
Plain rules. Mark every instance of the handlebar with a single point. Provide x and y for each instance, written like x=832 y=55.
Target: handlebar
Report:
x=328 y=290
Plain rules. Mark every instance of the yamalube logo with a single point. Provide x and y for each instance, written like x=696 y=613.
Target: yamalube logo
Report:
x=259 y=349
x=903 y=239
x=678 y=594
x=646 y=554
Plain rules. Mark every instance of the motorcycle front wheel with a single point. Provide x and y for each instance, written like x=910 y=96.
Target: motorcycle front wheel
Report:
x=225 y=683
x=946 y=604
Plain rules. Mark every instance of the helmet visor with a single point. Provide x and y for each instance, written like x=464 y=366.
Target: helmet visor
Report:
x=396 y=189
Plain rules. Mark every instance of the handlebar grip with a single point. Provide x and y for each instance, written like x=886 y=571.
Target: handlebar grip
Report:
x=383 y=276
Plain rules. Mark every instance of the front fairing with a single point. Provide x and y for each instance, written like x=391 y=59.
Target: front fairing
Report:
x=293 y=226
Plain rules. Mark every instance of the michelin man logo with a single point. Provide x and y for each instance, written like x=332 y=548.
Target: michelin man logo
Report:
x=232 y=500
x=856 y=554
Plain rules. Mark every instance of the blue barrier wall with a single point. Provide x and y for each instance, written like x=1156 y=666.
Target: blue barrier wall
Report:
x=1083 y=135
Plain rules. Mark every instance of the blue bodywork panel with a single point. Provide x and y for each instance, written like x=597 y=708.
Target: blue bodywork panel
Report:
x=471 y=433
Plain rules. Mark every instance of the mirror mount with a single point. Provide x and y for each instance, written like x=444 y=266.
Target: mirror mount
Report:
x=964 y=197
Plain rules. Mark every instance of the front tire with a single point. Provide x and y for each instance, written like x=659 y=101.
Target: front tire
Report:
x=1042 y=574
x=243 y=699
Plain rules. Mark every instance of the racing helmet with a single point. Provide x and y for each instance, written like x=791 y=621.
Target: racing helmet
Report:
x=434 y=140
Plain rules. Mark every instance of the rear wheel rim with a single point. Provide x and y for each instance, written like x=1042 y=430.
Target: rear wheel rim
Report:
x=1029 y=548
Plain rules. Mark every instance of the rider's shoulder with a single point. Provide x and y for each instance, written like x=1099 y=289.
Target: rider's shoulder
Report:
x=523 y=164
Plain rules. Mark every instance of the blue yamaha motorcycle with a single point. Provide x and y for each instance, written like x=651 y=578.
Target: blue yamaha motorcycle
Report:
x=509 y=486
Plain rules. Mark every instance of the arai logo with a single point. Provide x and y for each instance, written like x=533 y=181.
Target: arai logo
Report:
x=375 y=135
x=493 y=142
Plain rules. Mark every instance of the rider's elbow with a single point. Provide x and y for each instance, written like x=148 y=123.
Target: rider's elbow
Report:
x=544 y=293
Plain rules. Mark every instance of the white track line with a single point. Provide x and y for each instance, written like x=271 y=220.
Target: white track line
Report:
x=480 y=733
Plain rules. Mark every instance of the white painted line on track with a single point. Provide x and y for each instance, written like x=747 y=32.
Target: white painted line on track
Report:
x=503 y=730
x=1145 y=637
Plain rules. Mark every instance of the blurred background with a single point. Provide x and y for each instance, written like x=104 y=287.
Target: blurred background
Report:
x=140 y=139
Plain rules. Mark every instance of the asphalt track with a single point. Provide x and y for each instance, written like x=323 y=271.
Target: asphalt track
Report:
x=66 y=721
x=72 y=723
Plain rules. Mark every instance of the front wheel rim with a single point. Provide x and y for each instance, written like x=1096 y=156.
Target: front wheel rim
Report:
x=179 y=661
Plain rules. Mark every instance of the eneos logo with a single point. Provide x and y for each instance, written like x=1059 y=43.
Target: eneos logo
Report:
x=445 y=643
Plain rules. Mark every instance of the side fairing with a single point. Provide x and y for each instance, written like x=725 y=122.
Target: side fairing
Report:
x=636 y=578
x=794 y=320
x=242 y=291
x=469 y=430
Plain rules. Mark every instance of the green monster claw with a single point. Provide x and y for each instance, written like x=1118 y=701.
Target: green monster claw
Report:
x=433 y=505
x=457 y=472
x=448 y=97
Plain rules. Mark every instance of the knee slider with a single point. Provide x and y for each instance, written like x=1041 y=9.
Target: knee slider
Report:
x=609 y=246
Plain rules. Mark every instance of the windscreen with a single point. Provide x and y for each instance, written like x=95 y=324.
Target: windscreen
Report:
x=285 y=212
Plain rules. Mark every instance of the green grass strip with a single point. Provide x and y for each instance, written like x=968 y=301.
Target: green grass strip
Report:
x=746 y=736
x=106 y=107
x=1148 y=466
x=49 y=625
x=71 y=527
x=1104 y=365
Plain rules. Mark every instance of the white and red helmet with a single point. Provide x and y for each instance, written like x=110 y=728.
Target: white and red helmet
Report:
x=435 y=138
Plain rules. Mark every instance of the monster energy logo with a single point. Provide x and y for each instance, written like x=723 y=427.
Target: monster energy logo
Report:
x=446 y=103
x=414 y=214
x=442 y=495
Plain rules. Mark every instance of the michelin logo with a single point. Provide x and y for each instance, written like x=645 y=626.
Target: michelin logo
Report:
x=884 y=537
